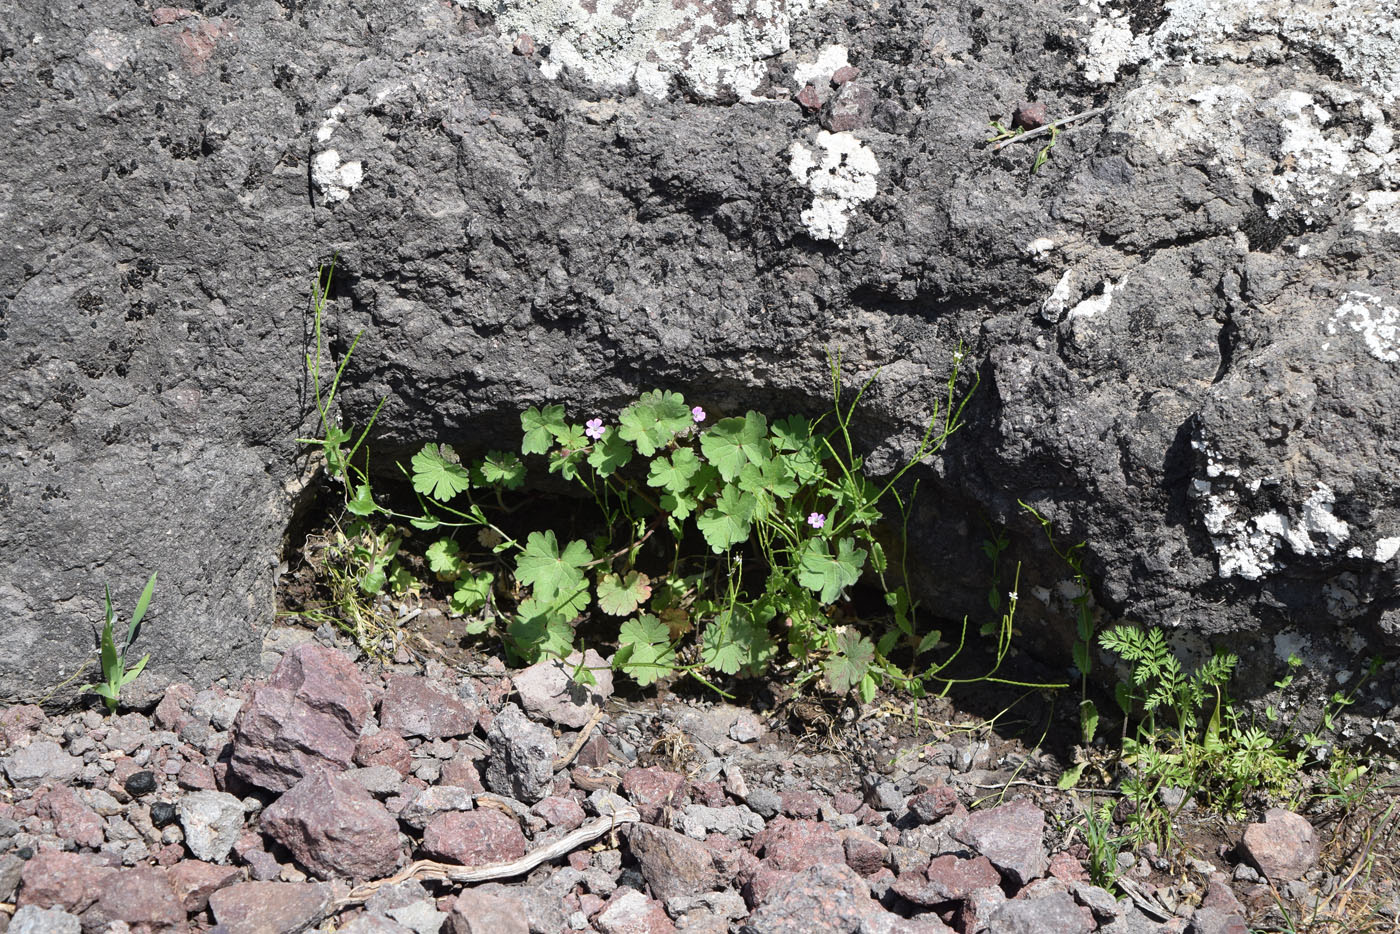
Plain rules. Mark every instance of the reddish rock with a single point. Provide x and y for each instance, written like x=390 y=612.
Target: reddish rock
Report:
x=827 y=898
x=524 y=46
x=565 y=813
x=473 y=838
x=196 y=776
x=977 y=908
x=72 y=820
x=412 y=706
x=1283 y=847
x=844 y=802
x=70 y=881
x=1030 y=116
x=844 y=74
x=631 y=912
x=547 y=689
x=809 y=99
x=334 y=828
x=1009 y=836
x=934 y=804
x=306 y=718
x=270 y=907
x=144 y=899
x=672 y=863
x=384 y=748
x=947 y=879
x=759 y=884
x=710 y=794
x=461 y=771
x=1216 y=921
x=732 y=859
x=654 y=791
x=170 y=712
x=194 y=881
x=477 y=912
x=596 y=753
x=849 y=108
x=804 y=805
x=864 y=855
x=795 y=845
x=100 y=896
x=1067 y=869
x=20 y=722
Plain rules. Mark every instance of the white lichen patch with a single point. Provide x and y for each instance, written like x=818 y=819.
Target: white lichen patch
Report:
x=1247 y=546
x=334 y=178
x=820 y=71
x=840 y=177
x=1095 y=304
x=1387 y=548
x=328 y=126
x=715 y=46
x=1376 y=322
x=1040 y=247
x=1110 y=46
x=1057 y=302
x=1378 y=213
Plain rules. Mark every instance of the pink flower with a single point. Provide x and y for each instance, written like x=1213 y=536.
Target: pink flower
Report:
x=698 y=414
x=594 y=428
x=816 y=520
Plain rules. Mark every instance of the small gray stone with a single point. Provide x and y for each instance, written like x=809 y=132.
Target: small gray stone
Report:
x=41 y=761
x=522 y=756
x=212 y=821
x=433 y=801
x=379 y=780
x=764 y=802
x=547 y=689
x=736 y=820
x=32 y=919
x=422 y=917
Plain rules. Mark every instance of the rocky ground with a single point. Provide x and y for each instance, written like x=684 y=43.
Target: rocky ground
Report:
x=299 y=801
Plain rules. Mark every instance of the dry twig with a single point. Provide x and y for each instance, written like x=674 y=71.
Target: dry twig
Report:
x=432 y=870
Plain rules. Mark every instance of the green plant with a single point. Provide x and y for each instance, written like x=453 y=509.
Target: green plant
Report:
x=115 y=673
x=717 y=548
x=1003 y=134
x=1084 y=626
x=1096 y=827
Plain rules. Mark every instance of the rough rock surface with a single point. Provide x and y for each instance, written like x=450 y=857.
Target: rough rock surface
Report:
x=898 y=850
x=1185 y=323
x=334 y=828
x=307 y=717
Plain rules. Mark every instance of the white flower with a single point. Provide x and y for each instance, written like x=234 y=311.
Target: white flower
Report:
x=1012 y=595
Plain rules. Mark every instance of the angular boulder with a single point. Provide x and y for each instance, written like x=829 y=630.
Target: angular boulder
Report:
x=306 y=718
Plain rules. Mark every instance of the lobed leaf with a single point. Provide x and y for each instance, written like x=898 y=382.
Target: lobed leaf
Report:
x=828 y=574
x=653 y=420
x=734 y=442
x=729 y=521
x=548 y=571
x=541 y=427
x=848 y=667
x=438 y=472
x=610 y=454
x=644 y=650
x=502 y=468
x=620 y=596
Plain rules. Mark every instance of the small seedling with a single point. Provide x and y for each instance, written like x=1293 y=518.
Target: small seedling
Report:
x=116 y=675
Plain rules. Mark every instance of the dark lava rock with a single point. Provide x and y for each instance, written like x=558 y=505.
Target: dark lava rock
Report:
x=140 y=783
x=162 y=813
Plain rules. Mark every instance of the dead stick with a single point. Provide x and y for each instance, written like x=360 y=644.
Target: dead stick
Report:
x=1041 y=131
x=427 y=869
x=563 y=761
